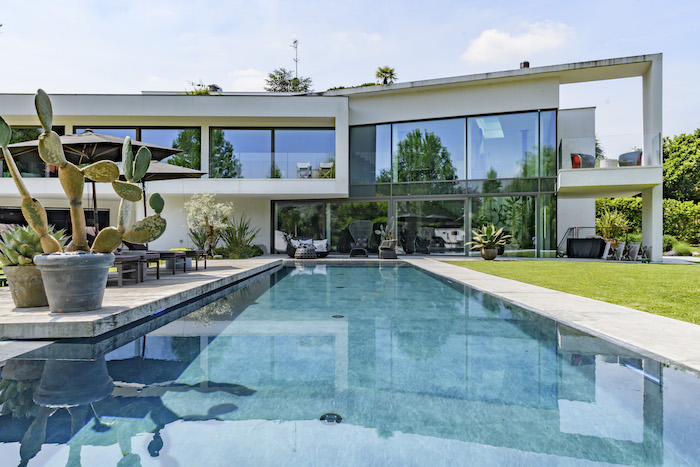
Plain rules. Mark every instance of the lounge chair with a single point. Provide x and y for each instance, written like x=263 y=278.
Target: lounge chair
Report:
x=304 y=170
x=582 y=161
x=632 y=251
x=630 y=159
x=325 y=169
x=606 y=250
x=617 y=252
x=360 y=232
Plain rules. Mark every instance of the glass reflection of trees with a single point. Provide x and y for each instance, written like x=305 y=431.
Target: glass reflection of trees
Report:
x=342 y=214
x=515 y=213
x=301 y=219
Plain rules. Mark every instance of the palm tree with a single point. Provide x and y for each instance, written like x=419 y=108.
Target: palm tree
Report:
x=386 y=75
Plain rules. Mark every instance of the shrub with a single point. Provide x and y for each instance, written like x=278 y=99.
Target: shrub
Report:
x=239 y=237
x=682 y=249
x=668 y=242
x=606 y=222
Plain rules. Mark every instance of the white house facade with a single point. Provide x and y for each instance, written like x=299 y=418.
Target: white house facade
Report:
x=434 y=158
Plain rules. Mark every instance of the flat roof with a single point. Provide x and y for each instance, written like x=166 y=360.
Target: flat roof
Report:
x=579 y=72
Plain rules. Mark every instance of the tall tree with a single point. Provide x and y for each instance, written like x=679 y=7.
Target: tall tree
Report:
x=222 y=163
x=283 y=80
x=386 y=75
x=422 y=157
x=682 y=167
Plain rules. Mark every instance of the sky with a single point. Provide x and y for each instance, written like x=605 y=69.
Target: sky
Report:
x=127 y=46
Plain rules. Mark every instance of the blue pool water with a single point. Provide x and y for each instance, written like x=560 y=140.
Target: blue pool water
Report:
x=421 y=371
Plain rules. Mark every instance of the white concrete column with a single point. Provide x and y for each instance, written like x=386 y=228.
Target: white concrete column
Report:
x=652 y=112
x=652 y=221
x=69 y=129
x=205 y=151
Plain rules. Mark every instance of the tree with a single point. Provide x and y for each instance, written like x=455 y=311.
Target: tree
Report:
x=682 y=167
x=207 y=216
x=283 y=80
x=422 y=157
x=222 y=163
x=386 y=75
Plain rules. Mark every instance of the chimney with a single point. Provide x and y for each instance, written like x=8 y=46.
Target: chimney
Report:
x=524 y=65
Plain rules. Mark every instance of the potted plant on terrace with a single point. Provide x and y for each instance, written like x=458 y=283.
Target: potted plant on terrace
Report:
x=488 y=239
x=387 y=247
x=18 y=247
x=75 y=280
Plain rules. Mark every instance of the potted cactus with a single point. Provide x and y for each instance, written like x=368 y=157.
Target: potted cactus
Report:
x=18 y=247
x=488 y=239
x=75 y=280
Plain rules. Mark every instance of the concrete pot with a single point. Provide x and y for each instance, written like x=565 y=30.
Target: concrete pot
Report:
x=67 y=383
x=489 y=253
x=26 y=286
x=169 y=263
x=74 y=281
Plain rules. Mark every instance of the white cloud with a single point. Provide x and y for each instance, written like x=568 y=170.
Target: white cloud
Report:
x=246 y=80
x=494 y=46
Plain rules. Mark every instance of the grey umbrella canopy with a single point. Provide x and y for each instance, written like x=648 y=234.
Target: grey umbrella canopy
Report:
x=89 y=147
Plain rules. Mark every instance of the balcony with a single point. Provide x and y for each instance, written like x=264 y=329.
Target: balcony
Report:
x=610 y=168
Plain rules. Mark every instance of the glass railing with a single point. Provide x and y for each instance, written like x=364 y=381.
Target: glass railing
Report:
x=608 y=151
x=262 y=165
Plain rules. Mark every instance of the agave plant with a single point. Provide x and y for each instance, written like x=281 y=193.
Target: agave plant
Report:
x=20 y=245
x=488 y=238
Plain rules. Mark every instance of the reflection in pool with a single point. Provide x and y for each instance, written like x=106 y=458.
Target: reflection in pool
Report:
x=422 y=371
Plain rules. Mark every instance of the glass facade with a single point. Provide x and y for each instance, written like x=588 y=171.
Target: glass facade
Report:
x=442 y=178
x=272 y=153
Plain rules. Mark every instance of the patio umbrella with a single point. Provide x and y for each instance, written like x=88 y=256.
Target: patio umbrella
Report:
x=162 y=171
x=89 y=147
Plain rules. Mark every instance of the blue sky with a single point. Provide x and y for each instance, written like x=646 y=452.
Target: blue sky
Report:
x=131 y=46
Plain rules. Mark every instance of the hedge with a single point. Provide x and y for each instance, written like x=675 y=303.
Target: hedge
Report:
x=681 y=218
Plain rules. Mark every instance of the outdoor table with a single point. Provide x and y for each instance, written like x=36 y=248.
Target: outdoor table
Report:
x=175 y=256
x=126 y=264
x=585 y=247
x=197 y=255
x=145 y=261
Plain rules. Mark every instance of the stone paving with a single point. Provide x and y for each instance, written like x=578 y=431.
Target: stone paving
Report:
x=124 y=305
x=664 y=339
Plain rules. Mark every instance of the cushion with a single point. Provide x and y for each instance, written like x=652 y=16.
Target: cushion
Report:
x=321 y=245
x=361 y=243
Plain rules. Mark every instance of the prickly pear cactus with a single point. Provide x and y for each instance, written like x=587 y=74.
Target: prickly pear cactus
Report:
x=19 y=246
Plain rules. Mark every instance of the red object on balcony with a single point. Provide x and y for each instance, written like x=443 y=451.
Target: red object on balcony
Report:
x=579 y=161
x=575 y=161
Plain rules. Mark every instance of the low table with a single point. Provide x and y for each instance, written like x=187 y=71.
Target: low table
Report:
x=197 y=255
x=305 y=253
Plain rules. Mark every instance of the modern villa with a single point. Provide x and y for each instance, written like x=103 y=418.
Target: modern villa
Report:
x=438 y=157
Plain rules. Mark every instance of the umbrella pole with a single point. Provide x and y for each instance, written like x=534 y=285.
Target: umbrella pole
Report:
x=95 y=222
x=143 y=185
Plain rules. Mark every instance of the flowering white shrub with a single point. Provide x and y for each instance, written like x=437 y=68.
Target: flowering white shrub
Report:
x=204 y=214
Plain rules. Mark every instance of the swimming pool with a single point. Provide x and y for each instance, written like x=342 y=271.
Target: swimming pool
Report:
x=418 y=369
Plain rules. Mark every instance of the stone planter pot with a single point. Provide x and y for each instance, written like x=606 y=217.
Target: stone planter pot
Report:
x=489 y=253
x=66 y=383
x=26 y=286
x=74 y=281
x=169 y=263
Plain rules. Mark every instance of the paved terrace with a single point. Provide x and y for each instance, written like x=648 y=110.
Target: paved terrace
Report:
x=665 y=339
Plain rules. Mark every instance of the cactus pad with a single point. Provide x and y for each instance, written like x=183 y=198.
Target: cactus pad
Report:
x=51 y=149
x=146 y=230
x=141 y=163
x=5 y=133
x=44 y=110
x=127 y=191
x=128 y=159
x=102 y=171
x=107 y=240
x=157 y=203
x=72 y=181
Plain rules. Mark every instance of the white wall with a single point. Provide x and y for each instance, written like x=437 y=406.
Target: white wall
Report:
x=576 y=132
x=469 y=99
x=175 y=236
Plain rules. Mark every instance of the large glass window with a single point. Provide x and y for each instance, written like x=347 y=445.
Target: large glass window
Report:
x=548 y=225
x=516 y=214
x=301 y=219
x=370 y=154
x=118 y=132
x=240 y=153
x=430 y=150
x=189 y=140
x=312 y=147
x=431 y=227
x=503 y=146
x=548 y=143
x=343 y=214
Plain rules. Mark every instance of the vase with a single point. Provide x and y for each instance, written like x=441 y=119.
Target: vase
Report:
x=489 y=253
x=74 y=281
x=26 y=286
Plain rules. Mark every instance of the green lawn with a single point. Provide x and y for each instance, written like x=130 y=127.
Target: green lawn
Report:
x=671 y=290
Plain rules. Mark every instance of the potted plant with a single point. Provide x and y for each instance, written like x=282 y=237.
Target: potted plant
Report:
x=18 y=247
x=488 y=239
x=75 y=280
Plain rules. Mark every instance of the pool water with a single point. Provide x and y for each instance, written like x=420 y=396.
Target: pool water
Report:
x=418 y=370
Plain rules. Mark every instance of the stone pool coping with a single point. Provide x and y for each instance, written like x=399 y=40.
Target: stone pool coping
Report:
x=127 y=304
x=665 y=339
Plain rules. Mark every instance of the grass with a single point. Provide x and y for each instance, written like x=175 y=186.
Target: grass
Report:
x=663 y=289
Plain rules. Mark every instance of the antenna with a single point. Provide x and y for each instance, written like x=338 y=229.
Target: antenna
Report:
x=295 y=45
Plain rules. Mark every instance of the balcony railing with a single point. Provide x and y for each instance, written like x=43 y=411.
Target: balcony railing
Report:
x=610 y=151
x=259 y=165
